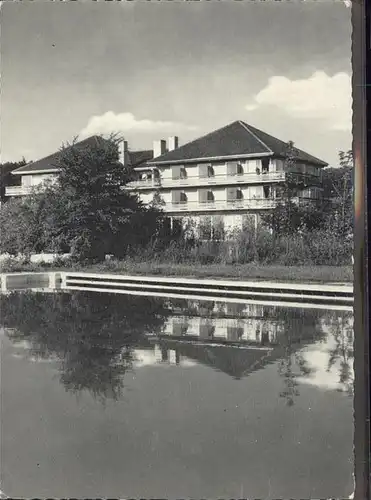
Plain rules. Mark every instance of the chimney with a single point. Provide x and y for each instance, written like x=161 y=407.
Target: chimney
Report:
x=124 y=153
x=173 y=142
x=159 y=148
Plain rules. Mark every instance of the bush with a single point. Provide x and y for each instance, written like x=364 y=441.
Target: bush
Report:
x=320 y=247
x=325 y=247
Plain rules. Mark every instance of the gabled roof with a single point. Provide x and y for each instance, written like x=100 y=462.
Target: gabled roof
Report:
x=50 y=163
x=237 y=139
x=231 y=360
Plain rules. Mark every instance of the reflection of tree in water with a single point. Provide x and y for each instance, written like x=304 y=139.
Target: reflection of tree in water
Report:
x=307 y=326
x=341 y=329
x=92 y=335
x=301 y=326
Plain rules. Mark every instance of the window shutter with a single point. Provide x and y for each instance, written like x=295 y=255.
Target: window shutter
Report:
x=203 y=195
x=232 y=167
x=176 y=196
x=175 y=172
x=231 y=194
x=203 y=170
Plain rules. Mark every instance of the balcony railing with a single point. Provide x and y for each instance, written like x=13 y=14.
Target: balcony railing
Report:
x=18 y=190
x=210 y=206
x=249 y=178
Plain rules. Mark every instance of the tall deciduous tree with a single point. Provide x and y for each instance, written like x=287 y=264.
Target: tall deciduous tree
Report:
x=87 y=211
x=90 y=208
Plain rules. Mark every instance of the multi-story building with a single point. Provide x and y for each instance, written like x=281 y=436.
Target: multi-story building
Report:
x=220 y=180
x=45 y=169
x=224 y=177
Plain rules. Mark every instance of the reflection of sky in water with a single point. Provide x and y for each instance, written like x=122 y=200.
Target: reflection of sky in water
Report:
x=317 y=358
x=339 y=338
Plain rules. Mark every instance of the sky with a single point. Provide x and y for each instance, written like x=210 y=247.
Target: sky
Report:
x=149 y=70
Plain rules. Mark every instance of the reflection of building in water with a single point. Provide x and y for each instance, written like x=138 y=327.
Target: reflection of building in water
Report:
x=233 y=360
x=235 y=338
x=156 y=355
x=251 y=329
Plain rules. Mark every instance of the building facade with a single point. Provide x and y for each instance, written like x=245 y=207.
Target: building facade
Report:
x=227 y=178
x=218 y=182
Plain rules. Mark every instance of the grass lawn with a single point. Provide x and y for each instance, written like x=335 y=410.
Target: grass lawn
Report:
x=319 y=274
x=227 y=271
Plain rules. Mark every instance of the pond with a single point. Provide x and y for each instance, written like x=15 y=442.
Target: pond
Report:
x=106 y=395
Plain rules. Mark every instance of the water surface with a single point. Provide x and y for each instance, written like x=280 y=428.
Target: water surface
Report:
x=106 y=395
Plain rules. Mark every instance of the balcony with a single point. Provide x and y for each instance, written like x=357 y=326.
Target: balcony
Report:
x=213 y=206
x=18 y=190
x=197 y=181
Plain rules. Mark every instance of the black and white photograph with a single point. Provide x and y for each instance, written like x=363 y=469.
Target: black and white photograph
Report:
x=177 y=250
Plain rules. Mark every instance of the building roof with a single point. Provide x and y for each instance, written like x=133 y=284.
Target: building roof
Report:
x=229 y=359
x=237 y=139
x=50 y=163
x=140 y=158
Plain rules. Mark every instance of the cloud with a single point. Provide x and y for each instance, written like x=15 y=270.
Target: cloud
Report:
x=111 y=122
x=323 y=97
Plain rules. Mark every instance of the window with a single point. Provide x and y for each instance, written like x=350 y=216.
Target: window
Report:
x=206 y=170
x=26 y=180
x=207 y=330
x=234 y=194
x=265 y=165
x=232 y=168
x=235 y=333
x=176 y=172
x=231 y=194
x=267 y=191
x=178 y=197
x=205 y=196
x=183 y=173
x=240 y=169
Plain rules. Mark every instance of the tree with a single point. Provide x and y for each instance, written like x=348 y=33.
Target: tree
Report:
x=284 y=218
x=89 y=208
x=22 y=226
x=6 y=177
x=289 y=215
x=338 y=184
